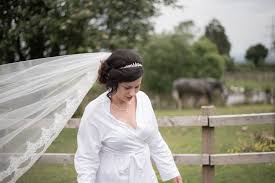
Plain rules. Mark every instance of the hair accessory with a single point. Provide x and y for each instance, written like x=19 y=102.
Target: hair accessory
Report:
x=131 y=65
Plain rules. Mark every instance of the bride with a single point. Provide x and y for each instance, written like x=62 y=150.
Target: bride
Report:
x=118 y=132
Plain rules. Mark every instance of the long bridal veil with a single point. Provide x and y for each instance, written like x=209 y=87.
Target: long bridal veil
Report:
x=37 y=98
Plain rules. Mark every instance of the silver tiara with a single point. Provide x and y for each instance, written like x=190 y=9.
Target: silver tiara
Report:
x=131 y=65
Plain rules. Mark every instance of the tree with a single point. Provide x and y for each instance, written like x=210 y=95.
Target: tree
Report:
x=186 y=29
x=209 y=62
x=256 y=54
x=166 y=57
x=41 y=28
x=215 y=32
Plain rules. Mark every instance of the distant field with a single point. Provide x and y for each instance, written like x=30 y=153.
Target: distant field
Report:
x=252 y=78
x=180 y=140
x=251 y=84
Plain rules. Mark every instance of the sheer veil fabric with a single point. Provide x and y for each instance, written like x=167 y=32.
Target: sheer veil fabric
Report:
x=37 y=98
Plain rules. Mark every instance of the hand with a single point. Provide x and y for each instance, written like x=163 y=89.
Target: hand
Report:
x=177 y=179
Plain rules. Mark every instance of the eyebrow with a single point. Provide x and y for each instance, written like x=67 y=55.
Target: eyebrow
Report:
x=129 y=86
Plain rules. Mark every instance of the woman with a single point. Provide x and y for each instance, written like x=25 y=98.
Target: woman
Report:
x=118 y=132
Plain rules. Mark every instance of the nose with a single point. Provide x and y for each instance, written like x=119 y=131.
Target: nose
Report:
x=132 y=92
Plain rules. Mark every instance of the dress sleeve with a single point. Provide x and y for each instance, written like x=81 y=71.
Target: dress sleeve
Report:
x=160 y=152
x=86 y=159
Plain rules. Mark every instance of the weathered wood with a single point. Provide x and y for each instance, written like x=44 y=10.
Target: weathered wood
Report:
x=73 y=123
x=241 y=119
x=208 y=174
x=56 y=158
x=208 y=141
x=162 y=121
x=183 y=121
x=185 y=159
x=242 y=158
x=192 y=159
x=63 y=158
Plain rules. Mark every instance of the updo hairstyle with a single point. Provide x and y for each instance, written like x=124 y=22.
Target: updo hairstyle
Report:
x=111 y=72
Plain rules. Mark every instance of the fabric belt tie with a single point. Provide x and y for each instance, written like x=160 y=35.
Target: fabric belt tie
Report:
x=131 y=164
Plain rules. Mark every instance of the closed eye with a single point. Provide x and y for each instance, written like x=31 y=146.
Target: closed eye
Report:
x=127 y=88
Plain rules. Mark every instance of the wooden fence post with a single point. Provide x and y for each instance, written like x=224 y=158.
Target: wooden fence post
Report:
x=208 y=171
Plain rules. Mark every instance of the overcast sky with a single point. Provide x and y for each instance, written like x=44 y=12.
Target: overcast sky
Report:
x=246 y=22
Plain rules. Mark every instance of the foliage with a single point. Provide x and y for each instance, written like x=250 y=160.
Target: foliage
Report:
x=215 y=32
x=212 y=66
x=260 y=142
x=186 y=29
x=40 y=28
x=229 y=63
x=166 y=57
x=209 y=62
x=257 y=54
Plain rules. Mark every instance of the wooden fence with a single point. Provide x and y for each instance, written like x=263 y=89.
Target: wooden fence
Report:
x=207 y=121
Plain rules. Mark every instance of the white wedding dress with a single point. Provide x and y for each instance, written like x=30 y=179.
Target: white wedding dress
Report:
x=111 y=151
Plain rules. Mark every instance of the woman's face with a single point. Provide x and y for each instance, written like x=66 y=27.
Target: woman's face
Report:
x=127 y=90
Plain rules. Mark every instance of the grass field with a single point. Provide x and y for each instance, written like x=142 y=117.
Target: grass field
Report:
x=180 y=140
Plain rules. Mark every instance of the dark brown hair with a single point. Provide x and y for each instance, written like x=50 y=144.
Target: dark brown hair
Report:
x=110 y=72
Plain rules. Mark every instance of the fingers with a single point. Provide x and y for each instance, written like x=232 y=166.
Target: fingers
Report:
x=177 y=180
x=180 y=180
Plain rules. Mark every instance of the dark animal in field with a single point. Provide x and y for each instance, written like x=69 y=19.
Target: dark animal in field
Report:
x=197 y=88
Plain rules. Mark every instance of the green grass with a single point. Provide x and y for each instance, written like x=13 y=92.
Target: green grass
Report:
x=66 y=174
x=180 y=140
x=263 y=173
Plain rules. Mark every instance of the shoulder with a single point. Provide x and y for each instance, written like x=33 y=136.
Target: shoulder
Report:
x=97 y=101
x=96 y=105
x=143 y=96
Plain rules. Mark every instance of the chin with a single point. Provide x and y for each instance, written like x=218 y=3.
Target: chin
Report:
x=129 y=98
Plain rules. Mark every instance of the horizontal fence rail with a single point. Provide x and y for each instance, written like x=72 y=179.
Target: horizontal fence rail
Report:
x=183 y=159
x=241 y=119
x=162 y=121
x=242 y=158
x=63 y=158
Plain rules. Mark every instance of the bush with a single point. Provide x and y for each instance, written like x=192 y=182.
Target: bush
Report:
x=209 y=62
x=260 y=142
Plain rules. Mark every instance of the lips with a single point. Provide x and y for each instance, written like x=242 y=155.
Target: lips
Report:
x=129 y=98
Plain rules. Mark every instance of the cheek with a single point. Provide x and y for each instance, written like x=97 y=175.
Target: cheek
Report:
x=123 y=91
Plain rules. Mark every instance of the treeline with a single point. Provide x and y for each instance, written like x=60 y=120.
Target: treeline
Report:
x=42 y=28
